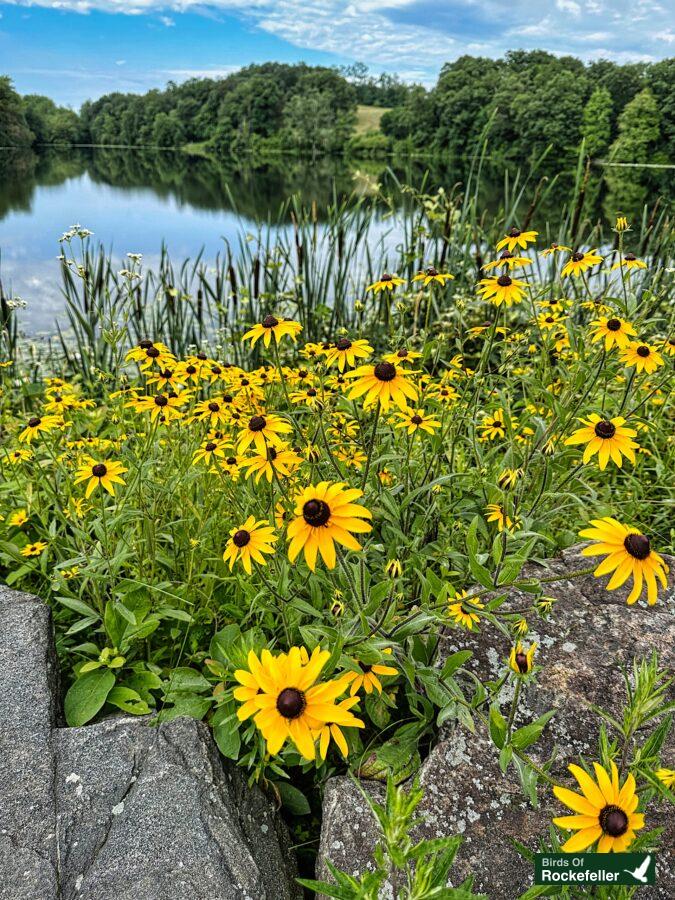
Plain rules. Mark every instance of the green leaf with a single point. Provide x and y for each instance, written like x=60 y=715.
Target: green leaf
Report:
x=528 y=734
x=454 y=661
x=225 y=727
x=87 y=695
x=292 y=799
x=222 y=641
x=128 y=700
x=497 y=727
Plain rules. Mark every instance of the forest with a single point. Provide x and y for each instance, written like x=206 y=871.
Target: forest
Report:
x=526 y=105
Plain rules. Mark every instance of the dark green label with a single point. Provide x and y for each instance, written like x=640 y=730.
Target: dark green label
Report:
x=560 y=869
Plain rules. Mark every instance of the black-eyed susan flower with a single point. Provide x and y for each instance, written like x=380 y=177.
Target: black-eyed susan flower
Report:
x=272 y=327
x=497 y=513
x=669 y=346
x=431 y=275
x=402 y=355
x=19 y=455
x=209 y=451
x=605 y=811
x=330 y=730
x=621 y=224
x=666 y=776
x=213 y=411
x=387 y=282
x=520 y=660
x=627 y=553
x=609 y=438
x=463 y=611
x=443 y=394
x=286 y=703
x=508 y=260
x=326 y=513
x=516 y=238
x=34 y=549
x=615 y=331
x=149 y=353
x=549 y=321
x=352 y=457
x=503 y=289
x=493 y=427
x=384 y=383
x=642 y=356
x=367 y=676
x=344 y=353
x=629 y=262
x=18 y=519
x=393 y=568
x=508 y=478
x=250 y=542
x=262 y=431
x=556 y=248
x=162 y=407
x=580 y=262
x=38 y=425
x=414 y=420
x=281 y=460
x=106 y=474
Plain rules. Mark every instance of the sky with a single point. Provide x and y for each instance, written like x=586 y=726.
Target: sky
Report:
x=73 y=50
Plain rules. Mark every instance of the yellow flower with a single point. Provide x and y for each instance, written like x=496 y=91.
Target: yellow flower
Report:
x=463 y=611
x=402 y=355
x=386 y=283
x=164 y=407
x=606 y=437
x=249 y=542
x=345 y=353
x=18 y=519
x=366 y=677
x=431 y=275
x=326 y=513
x=106 y=474
x=272 y=327
x=502 y=290
x=604 y=811
x=495 y=513
x=627 y=552
x=261 y=431
x=330 y=730
x=151 y=353
x=556 y=248
x=507 y=478
x=281 y=460
x=19 y=455
x=281 y=694
x=493 y=426
x=615 y=331
x=39 y=425
x=516 y=238
x=508 y=261
x=416 y=419
x=666 y=776
x=383 y=383
x=213 y=411
x=520 y=661
x=580 y=262
x=644 y=357
x=630 y=262
x=34 y=549
x=621 y=224
x=209 y=451
x=393 y=568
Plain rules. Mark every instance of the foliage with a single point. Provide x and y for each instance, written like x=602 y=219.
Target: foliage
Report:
x=14 y=130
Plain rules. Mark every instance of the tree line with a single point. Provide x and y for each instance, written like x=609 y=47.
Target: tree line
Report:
x=522 y=106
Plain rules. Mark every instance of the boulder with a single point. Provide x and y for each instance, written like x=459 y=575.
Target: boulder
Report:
x=125 y=808
x=590 y=634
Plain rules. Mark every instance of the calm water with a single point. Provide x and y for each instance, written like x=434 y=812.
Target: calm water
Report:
x=134 y=201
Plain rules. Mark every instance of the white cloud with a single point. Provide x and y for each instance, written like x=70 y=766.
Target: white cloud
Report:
x=221 y=72
x=167 y=21
x=569 y=6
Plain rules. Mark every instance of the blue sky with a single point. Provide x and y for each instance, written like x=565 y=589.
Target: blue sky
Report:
x=72 y=50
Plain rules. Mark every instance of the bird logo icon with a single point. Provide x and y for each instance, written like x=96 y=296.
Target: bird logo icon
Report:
x=640 y=874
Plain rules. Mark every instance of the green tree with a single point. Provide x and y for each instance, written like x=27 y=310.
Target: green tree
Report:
x=14 y=130
x=596 y=128
x=639 y=130
x=167 y=131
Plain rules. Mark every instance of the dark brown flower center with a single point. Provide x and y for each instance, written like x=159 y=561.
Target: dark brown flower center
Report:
x=34 y=422
x=201 y=355
x=216 y=370
x=521 y=662
x=343 y=344
x=210 y=447
x=605 y=429
x=385 y=371
x=637 y=545
x=613 y=821
x=152 y=352
x=578 y=256
x=257 y=423
x=291 y=703
x=161 y=400
x=191 y=370
x=214 y=407
x=504 y=281
x=614 y=324
x=241 y=538
x=270 y=322
x=642 y=351
x=316 y=513
x=386 y=277
x=167 y=374
x=99 y=470
x=506 y=255
x=231 y=460
x=431 y=271
x=402 y=353
x=145 y=344
x=311 y=392
x=271 y=453
x=365 y=668
x=515 y=232
x=417 y=420
x=630 y=257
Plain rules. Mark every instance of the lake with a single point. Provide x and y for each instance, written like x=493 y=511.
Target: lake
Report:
x=136 y=200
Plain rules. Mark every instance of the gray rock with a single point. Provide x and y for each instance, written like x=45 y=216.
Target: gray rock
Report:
x=27 y=717
x=124 y=808
x=589 y=635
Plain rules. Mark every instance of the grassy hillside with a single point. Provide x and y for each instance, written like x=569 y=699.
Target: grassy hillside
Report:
x=368 y=118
